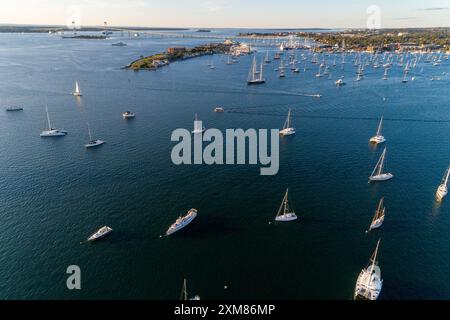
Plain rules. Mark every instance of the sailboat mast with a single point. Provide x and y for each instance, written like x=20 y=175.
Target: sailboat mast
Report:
x=380 y=169
x=48 y=118
x=184 y=291
x=379 y=127
x=374 y=259
x=286 y=202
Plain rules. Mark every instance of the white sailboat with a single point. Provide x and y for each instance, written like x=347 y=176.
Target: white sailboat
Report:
x=52 y=132
x=77 y=92
x=443 y=188
x=369 y=282
x=287 y=128
x=184 y=294
x=255 y=76
x=378 y=174
x=198 y=128
x=267 y=60
x=281 y=69
x=378 y=138
x=378 y=218
x=286 y=212
x=93 y=142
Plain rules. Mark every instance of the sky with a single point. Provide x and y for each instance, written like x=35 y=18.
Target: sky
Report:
x=230 y=13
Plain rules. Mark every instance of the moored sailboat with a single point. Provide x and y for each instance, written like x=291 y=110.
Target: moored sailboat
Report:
x=184 y=294
x=369 y=282
x=286 y=212
x=443 y=188
x=287 y=128
x=255 y=76
x=50 y=131
x=378 y=138
x=378 y=218
x=378 y=173
x=93 y=142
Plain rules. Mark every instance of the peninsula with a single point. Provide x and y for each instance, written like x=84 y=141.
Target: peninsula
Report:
x=156 y=61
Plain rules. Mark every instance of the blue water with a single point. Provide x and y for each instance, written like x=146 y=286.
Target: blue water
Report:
x=54 y=192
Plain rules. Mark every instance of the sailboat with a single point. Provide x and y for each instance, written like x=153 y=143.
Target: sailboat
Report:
x=51 y=132
x=285 y=213
x=377 y=174
x=77 y=92
x=369 y=282
x=385 y=76
x=93 y=142
x=378 y=218
x=267 y=60
x=287 y=128
x=184 y=294
x=198 y=128
x=281 y=68
x=255 y=77
x=443 y=188
x=229 y=61
x=405 y=80
x=378 y=137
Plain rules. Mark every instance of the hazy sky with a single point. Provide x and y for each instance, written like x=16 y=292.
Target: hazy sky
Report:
x=227 y=13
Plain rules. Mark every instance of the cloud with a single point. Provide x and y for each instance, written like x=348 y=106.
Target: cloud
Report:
x=434 y=9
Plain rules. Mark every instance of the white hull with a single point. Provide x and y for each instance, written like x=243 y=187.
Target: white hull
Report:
x=381 y=177
x=377 y=139
x=101 y=233
x=53 y=133
x=182 y=222
x=75 y=94
x=368 y=286
x=198 y=131
x=287 y=132
x=377 y=224
x=94 y=144
x=286 y=217
x=441 y=192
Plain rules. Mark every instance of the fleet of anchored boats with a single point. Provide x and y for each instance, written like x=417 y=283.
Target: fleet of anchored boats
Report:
x=369 y=282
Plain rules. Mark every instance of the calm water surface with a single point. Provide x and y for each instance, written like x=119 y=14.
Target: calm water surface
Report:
x=54 y=193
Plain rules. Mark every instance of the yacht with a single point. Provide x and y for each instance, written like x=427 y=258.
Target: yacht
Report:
x=369 y=282
x=378 y=218
x=286 y=212
x=182 y=222
x=443 y=188
x=100 y=233
x=340 y=83
x=256 y=76
x=219 y=109
x=93 y=142
x=77 y=92
x=378 y=138
x=50 y=131
x=184 y=294
x=128 y=115
x=287 y=128
x=198 y=128
x=378 y=174
x=119 y=44
x=14 y=108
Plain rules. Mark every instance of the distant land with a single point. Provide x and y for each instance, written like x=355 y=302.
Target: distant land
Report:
x=10 y=28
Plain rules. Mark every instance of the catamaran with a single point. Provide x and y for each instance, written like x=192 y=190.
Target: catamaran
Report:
x=198 y=126
x=51 y=132
x=77 y=92
x=443 y=188
x=255 y=77
x=184 y=294
x=93 y=142
x=286 y=212
x=182 y=222
x=287 y=128
x=378 y=137
x=369 y=282
x=378 y=218
x=378 y=174
x=100 y=233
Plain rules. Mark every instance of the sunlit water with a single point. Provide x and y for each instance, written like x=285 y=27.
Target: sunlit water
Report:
x=54 y=192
